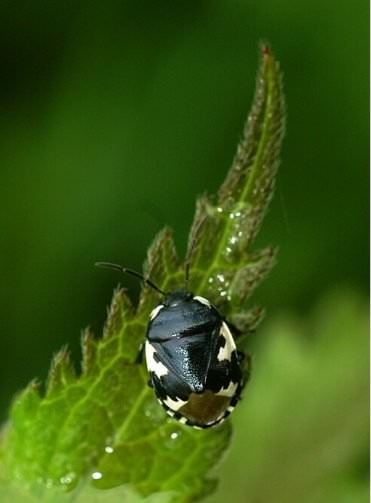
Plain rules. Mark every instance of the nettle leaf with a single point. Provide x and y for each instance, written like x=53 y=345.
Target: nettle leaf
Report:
x=104 y=427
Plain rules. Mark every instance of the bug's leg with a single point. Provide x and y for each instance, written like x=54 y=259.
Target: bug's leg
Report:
x=139 y=358
x=246 y=368
x=150 y=383
x=240 y=356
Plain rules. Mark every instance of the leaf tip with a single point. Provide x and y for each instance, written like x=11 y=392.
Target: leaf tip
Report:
x=89 y=351
x=61 y=371
x=265 y=48
x=118 y=311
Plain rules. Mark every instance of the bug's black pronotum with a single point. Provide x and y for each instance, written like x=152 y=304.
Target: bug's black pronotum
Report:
x=191 y=356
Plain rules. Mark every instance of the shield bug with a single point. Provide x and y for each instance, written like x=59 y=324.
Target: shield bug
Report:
x=193 y=363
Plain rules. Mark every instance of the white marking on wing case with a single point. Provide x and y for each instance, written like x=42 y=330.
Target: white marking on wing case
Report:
x=229 y=346
x=155 y=312
x=157 y=367
x=230 y=391
x=202 y=300
x=174 y=404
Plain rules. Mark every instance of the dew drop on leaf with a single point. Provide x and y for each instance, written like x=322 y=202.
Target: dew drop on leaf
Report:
x=68 y=479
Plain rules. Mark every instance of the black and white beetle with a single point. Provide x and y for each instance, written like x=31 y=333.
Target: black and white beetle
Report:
x=192 y=360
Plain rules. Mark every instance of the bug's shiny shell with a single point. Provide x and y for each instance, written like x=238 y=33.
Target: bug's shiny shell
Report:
x=192 y=360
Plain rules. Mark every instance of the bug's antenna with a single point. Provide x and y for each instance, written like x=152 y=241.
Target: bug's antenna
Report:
x=187 y=264
x=109 y=265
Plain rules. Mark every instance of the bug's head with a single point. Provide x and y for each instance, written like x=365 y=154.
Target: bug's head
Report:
x=177 y=297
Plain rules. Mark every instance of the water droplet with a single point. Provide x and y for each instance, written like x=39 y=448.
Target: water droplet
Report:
x=172 y=439
x=68 y=479
x=220 y=284
x=108 y=449
x=241 y=222
x=96 y=475
x=148 y=413
x=49 y=483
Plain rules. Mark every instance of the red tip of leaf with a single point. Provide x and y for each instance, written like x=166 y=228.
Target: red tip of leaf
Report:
x=265 y=49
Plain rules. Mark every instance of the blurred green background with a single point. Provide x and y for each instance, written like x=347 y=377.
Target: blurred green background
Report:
x=115 y=116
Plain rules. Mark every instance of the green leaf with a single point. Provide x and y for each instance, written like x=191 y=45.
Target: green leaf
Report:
x=86 y=494
x=104 y=427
